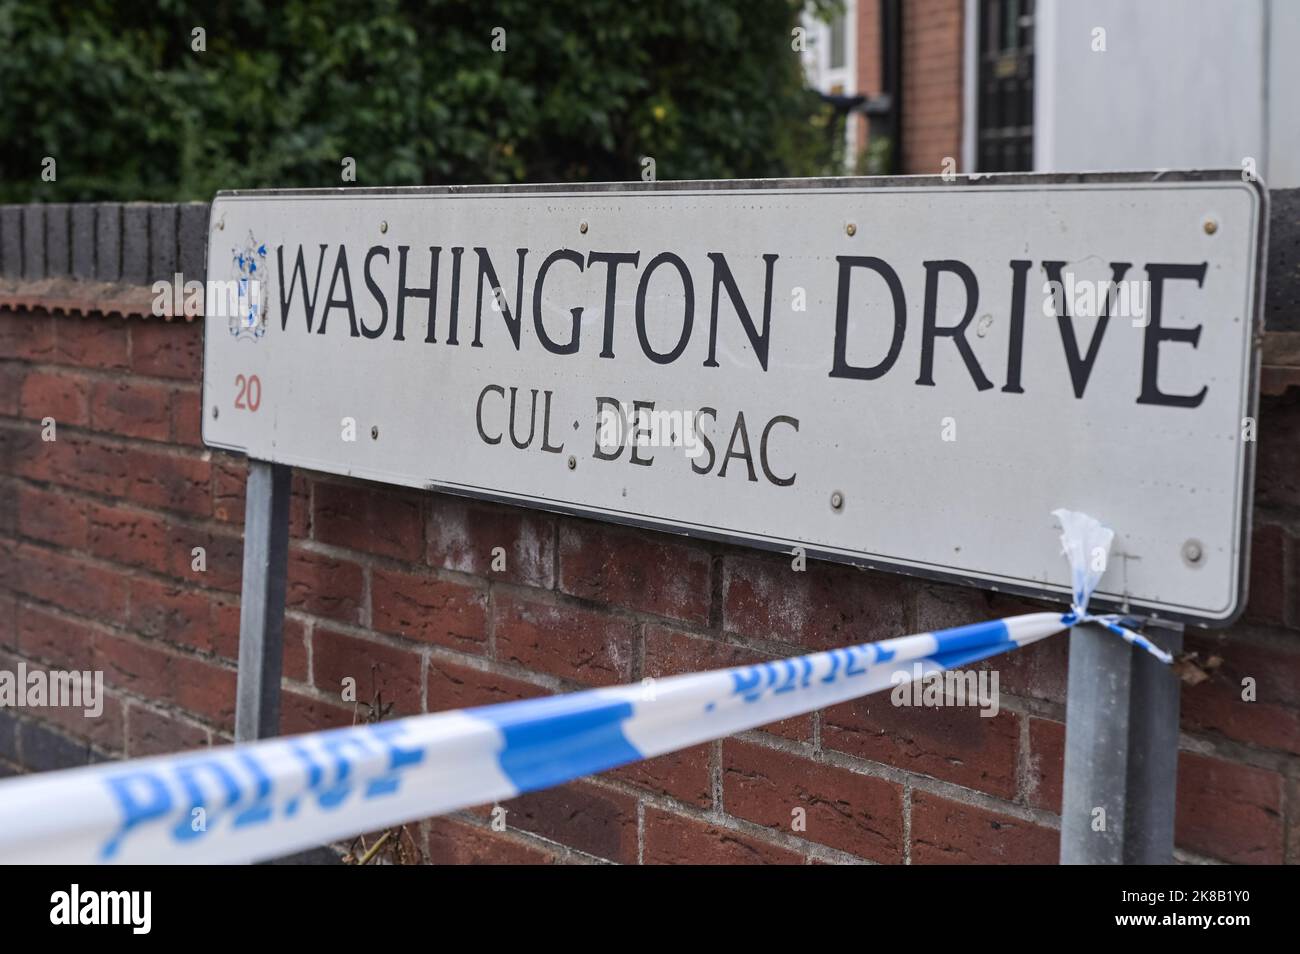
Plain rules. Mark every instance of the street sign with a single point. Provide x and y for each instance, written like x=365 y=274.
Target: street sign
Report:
x=908 y=373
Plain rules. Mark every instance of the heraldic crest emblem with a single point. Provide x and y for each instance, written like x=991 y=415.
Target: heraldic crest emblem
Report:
x=249 y=318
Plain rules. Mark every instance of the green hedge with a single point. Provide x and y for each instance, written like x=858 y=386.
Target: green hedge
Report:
x=414 y=92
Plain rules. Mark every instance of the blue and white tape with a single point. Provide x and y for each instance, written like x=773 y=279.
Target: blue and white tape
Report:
x=265 y=799
x=261 y=800
x=1086 y=544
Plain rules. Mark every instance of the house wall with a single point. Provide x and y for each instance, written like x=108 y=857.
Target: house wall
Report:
x=1180 y=84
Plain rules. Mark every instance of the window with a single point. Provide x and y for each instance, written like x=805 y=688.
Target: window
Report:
x=839 y=44
x=1005 y=105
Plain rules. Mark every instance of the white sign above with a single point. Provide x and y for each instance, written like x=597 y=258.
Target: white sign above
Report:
x=907 y=374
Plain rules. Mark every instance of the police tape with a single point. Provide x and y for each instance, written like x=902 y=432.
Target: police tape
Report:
x=265 y=799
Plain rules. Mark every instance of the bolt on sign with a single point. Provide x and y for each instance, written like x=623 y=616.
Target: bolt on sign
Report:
x=906 y=374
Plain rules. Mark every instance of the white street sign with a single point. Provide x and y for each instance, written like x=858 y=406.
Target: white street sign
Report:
x=907 y=374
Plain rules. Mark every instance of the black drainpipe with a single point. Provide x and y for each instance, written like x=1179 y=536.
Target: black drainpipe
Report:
x=891 y=76
x=886 y=110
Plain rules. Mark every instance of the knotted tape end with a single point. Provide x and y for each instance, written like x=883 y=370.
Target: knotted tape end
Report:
x=1086 y=543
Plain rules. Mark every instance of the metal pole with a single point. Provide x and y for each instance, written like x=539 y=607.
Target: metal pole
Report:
x=1121 y=750
x=1153 y=752
x=261 y=612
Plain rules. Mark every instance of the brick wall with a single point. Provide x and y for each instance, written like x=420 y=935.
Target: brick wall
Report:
x=869 y=79
x=932 y=84
x=932 y=54
x=395 y=589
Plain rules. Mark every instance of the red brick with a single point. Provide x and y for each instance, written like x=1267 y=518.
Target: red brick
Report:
x=672 y=839
x=92 y=342
x=12 y=375
x=684 y=775
x=300 y=492
x=17 y=440
x=10 y=572
x=167 y=677
x=131 y=408
x=71 y=583
x=955 y=743
x=187 y=417
x=46 y=749
x=1271 y=721
x=868 y=39
x=156 y=733
x=294 y=663
x=9 y=489
x=169 y=481
x=590 y=819
x=52 y=515
x=223 y=555
x=430 y=610
x=671 y=652
x=74 y=460
x=178 y=615
x=933 y=89
x=1229 y=811
x=382 y=674
x=324 y=586
x=100 y=467
x=1275 y=669
x=953 y=833
x=635 y=568
x=132 y=537
x=571 y=642
x=1046 y=764
x=856 y=813
x=379 y=520
x=1268 y=576
x=229 y=480
x=823 y=607
x=24 y=454
x=454 y=842
x=1038 y=671
x=452 y=686
x=1224 y=810
x=54 y=639
x=27 y=335
x=462 y=535
x=62 y=396
x=8 y=621
x=1277 y=456
x=103 y=731
x=300 y=712
x=1293 y=821
x=942 y=607
x=167 y=349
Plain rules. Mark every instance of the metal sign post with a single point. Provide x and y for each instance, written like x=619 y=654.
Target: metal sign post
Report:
x=1121 y=750
x=261 y=610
